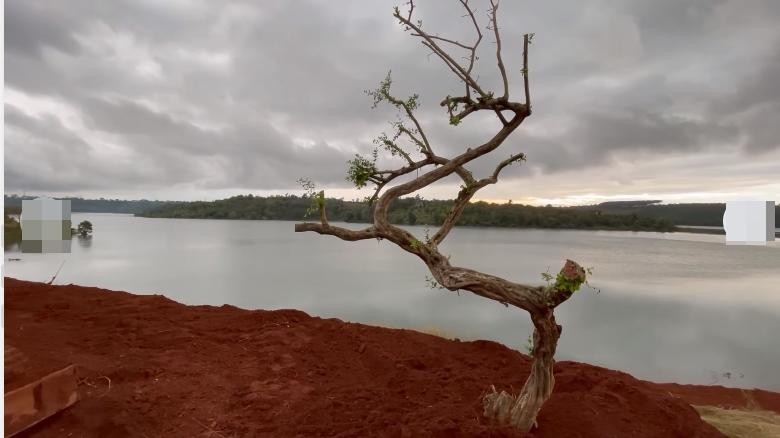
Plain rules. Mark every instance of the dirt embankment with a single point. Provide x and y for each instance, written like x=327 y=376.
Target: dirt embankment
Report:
x=187 y=371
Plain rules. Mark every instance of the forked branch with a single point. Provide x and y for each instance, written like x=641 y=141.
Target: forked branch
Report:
x=430 y=41
x=494 y=20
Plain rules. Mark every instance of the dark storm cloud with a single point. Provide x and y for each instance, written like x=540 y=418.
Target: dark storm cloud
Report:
x=29 y=27
x=755 y=104
x=47 y=155
x=252 y=95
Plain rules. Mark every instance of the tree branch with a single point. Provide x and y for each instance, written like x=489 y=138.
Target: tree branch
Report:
x=383 y=203
x=341 y=233
x=539 y=301
x=494 y=177
x=464 y=196
x=464 y=173
x=390 y=175
x=451 y=64
x=408 y=107
x=493 y=13
x=473 y=49
x=501 y=117
x=419 y=129
x=446 y=40
x=493 y=104
x=526 y=41
x=430 y=42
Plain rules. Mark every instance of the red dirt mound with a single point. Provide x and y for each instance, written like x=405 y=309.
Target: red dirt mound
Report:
x=152 y=367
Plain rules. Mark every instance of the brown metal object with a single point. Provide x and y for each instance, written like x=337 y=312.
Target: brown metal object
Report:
x=34 y=402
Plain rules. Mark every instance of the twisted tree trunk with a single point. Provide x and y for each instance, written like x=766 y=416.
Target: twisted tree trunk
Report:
x=520 y=411
x=539 y=301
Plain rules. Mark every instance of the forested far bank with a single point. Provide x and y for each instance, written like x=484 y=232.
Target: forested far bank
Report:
x=80 y=205
x=412 y=211
x=638 y=215
x=699 y=214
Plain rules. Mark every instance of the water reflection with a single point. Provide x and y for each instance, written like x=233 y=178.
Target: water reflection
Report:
x=687 y=308
x=84 y=241
x=12 y=239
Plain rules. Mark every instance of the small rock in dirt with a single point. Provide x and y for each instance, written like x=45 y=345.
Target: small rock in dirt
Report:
x=416 y=363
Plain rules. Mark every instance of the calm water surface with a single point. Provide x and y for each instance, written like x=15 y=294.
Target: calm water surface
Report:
x=672 y=307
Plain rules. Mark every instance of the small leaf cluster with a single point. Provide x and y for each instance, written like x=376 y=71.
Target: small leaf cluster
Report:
x=547 y=277
x=567 y=284
x=317 y=198
x=413 y=102
x=360 y=169
x=452 y=108
x=389 y=143
x=382 y=92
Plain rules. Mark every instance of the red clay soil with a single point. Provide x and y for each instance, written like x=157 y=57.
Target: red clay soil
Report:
x=190 y=371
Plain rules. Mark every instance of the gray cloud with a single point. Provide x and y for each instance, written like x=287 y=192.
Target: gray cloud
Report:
x=249 y=96
x=30 y=27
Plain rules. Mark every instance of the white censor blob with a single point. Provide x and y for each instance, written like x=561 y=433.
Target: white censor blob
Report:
x=46 y=225
x=749 y=222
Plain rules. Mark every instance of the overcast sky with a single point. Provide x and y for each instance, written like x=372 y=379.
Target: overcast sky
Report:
x=674 y=100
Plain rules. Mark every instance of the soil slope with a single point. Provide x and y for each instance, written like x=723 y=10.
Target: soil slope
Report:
x=152 y=367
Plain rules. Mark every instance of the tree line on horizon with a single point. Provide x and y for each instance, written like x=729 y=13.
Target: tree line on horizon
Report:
x=698 y=214
x=411 y=211
x=408 y=212
x=81 y=205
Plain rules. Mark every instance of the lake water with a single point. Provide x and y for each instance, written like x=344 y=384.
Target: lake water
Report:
x=671 y=307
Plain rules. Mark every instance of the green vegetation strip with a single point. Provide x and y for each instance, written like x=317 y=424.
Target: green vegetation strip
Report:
x=413 y=211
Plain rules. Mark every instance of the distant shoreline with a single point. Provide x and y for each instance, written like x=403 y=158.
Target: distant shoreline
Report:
x=709 y=230
x=702 y=218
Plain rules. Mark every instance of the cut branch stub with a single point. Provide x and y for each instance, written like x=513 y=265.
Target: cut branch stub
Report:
x=572 y=271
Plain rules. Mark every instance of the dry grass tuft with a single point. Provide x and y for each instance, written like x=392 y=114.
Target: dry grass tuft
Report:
x=739 y=423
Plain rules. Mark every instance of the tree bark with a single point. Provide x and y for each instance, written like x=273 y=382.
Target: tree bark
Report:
x=520 y=411
x=539 y=301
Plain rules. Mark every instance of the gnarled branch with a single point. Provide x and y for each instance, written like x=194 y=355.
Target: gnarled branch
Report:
x=492 y=179
x=538 y=301
x=341 y=233
x=430 y=42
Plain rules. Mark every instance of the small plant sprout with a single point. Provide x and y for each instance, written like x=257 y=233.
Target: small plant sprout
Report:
x=317 y=198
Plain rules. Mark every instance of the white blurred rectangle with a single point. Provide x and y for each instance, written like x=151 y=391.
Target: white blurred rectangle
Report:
x=749 y=222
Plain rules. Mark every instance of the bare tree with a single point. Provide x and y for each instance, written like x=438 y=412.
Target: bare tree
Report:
x=539 y=301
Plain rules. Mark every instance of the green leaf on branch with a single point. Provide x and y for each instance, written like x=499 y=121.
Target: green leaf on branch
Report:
x=360 y=169
x=317 y=198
